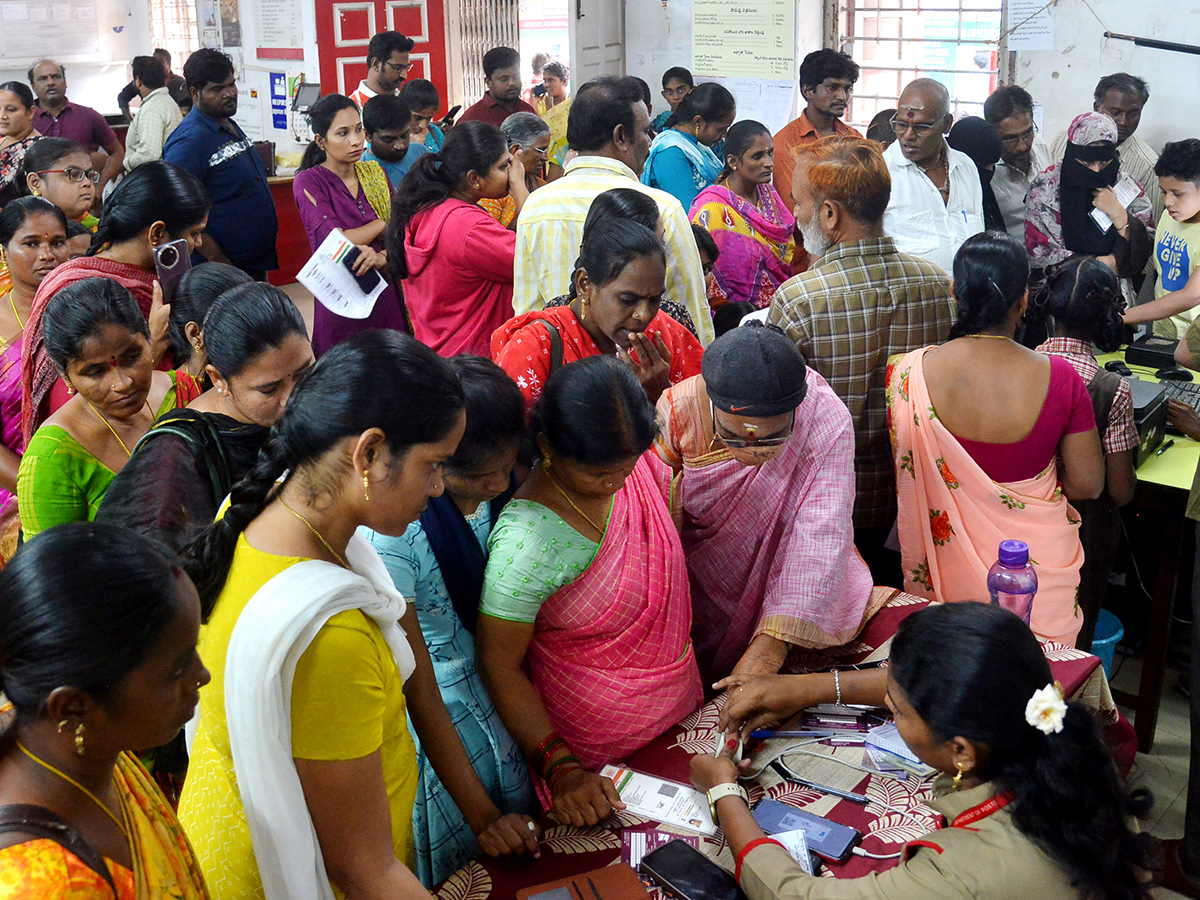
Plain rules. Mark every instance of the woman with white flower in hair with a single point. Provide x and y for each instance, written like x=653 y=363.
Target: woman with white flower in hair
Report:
x=1032 y=801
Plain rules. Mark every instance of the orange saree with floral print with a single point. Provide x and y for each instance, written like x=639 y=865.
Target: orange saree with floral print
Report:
x=953 y=516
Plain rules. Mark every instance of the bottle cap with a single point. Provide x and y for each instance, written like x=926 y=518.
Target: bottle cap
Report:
x=1014 y=554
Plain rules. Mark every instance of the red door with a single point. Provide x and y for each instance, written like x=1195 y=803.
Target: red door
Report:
x=344 y=28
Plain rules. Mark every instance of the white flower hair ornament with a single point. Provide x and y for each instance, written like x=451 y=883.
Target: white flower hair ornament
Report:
x=1046 y=709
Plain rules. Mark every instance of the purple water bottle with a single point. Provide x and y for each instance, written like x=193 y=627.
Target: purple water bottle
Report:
x=1012 y=582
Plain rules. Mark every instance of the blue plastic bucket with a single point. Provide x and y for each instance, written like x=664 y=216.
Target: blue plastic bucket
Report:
x=1108 y=631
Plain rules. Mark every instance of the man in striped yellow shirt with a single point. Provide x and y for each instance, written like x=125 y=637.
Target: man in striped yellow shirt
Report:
x=608 y=128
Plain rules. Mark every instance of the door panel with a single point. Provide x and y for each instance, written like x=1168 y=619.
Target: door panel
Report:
x=345 y=27
x=597 y=39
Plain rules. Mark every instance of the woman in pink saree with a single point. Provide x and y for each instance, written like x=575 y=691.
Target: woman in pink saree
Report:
x=977 y=424
x=583 y=636
x=763 y=497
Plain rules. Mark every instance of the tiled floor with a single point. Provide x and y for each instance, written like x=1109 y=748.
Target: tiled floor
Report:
x=1165 y=769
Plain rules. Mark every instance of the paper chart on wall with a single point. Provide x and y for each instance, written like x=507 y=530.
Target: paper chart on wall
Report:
x=747 y=40
x=1030 y=25
x=766 y=101
x=70 y=26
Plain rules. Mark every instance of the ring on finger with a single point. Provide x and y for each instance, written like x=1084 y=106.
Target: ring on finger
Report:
x=531 y=826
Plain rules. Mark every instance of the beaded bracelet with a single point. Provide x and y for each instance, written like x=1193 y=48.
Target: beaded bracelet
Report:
x=837 y=686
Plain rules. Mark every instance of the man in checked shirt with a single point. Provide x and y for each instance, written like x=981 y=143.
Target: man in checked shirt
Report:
x=860 y=302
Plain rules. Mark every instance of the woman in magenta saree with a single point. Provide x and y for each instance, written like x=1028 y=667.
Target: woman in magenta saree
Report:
x=583 y=639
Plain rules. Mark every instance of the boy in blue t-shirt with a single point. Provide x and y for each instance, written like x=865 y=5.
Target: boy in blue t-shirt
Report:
x=387 y=121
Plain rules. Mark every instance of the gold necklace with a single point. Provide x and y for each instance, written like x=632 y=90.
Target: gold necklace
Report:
x=71 y=781
x=12 y=301
x=320 y=537
x=558 y=487
x=108 y=425
x=989 y=337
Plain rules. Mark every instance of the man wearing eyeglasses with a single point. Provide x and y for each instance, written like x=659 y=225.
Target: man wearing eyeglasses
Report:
x=937 y=199
x=502 y=75
x=1023 y=154
x=387 y=66
x=56 y=116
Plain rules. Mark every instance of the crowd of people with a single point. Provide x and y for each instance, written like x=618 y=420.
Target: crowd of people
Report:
x=415 y=578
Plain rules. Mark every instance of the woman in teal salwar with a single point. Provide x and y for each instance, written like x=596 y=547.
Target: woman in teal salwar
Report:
x=438 y=566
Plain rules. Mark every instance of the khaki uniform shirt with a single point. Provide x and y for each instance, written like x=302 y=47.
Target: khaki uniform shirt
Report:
x=985 y=859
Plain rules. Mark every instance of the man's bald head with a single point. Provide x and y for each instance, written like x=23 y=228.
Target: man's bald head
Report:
x=928 y=95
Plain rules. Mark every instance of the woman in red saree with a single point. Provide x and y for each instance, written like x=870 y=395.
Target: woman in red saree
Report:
x=613 y=311
x=977 y=424
x=583 y=636
x=156 y=203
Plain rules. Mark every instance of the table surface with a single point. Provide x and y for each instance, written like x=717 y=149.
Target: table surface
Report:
x=569 y=850
x=1176 y=467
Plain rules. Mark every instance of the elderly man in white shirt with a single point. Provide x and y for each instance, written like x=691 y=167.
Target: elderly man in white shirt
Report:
x=937 y=199
x=1023 y=155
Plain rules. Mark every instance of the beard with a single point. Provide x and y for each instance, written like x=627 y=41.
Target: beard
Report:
x=816 y=242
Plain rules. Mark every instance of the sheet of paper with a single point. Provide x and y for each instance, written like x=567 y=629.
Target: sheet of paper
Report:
x=796 y=845
x=636 y=844
x=663 y=801
x=1031 y=25
x=333 y=285
x=743 y=39
x=1126 y=190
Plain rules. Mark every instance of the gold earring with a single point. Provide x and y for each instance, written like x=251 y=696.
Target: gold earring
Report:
x=583 y=309
x=36 y=192
x=63 y=724
x=958 y=776
x=79 y=739
x=546 y=463
x=366 y=487
x=70 y=389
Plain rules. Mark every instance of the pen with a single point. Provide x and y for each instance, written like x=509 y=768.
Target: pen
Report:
x=791 y=776
x=763 y=734
x=1165 y=447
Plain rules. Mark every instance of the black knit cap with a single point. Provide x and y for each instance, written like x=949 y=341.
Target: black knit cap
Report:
x=754 y=370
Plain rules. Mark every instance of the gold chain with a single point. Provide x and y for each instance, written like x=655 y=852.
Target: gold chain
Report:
x=71 y=781
x=558 y=487
x=989 y=337
x=320 y=537
x=108 y=425
x=16 y=314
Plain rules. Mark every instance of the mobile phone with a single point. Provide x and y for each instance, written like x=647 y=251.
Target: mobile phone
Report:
x=687 y=874
x=369 y=280
x=171 y=260
x=450 y=115
x=827 y=839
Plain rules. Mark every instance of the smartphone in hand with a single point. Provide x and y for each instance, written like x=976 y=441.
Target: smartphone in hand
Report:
x=171 y=261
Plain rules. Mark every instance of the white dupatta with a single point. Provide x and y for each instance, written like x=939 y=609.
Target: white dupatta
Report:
x=271 y=634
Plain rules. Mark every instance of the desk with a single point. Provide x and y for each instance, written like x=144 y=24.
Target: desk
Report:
x=568 y=850
x=1161 y=496
x=292 y=243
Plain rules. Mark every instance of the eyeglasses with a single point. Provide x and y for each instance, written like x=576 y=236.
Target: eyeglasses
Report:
x=74 y=174
x=1024 y=137
x=398 y=68
x=921 y=131
x=543 y=152
x=733 y=442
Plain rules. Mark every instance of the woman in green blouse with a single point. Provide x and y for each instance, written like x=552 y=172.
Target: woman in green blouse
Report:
x=98 y=340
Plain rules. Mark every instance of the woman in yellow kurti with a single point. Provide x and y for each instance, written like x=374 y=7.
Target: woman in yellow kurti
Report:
x=314 y=797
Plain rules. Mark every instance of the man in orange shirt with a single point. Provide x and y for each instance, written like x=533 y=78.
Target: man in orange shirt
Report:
x=827 y=80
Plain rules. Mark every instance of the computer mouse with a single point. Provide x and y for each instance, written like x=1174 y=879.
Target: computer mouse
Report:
x=1173 y=373
x=1119 y=367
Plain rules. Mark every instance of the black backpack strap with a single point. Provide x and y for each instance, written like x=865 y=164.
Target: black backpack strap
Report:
x=556 y=348
x=198 y=430
x=1103 y=390
x=39 y=822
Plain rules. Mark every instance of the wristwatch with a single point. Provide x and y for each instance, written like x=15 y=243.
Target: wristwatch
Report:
x=720 y=791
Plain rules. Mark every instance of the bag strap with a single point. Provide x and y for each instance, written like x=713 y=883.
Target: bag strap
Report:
x=556 y=347
x=39 y=822
x=198 y=430
x=1103 y=390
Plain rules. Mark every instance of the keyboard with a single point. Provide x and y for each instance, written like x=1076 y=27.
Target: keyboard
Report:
x=1186 y=392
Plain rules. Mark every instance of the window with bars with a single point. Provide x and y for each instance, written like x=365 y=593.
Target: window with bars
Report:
x=173 y=27
x=896 y=41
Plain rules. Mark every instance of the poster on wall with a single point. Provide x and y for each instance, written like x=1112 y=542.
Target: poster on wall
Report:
x=231 y=23
x=209 y=19
x=748 y=40
x=280 y=30
x=70 y=26
x=1030 y=24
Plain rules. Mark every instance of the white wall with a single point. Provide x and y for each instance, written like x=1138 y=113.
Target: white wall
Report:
x=124 y=34
x=1063 y=79
x=658 y=36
